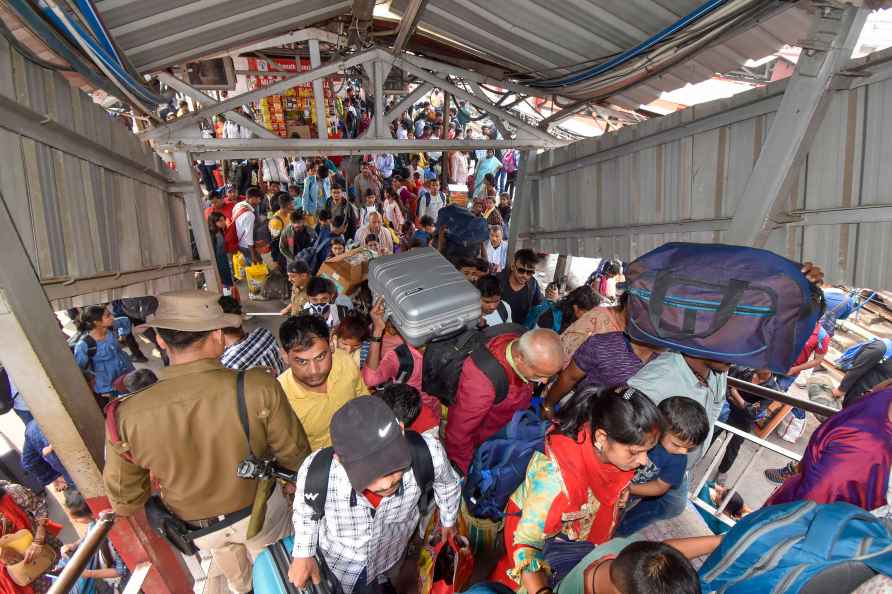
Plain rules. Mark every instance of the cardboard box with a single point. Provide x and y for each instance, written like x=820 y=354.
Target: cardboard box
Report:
x=347 y=271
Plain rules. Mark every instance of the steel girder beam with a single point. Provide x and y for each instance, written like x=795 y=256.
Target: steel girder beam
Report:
x=188 y=185
x=170 y=129
x=67 y=288
x=294 y=37
x=398 y=109
x=526 y=194
x=833 y=34
x=500 y=126
x=238 y=148
x=39 y=127
x=196 y=95
x=408 y=23
x=523 y=129
x=318 y=91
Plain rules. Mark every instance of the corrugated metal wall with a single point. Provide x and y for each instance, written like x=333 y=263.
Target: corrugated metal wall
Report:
x=77 y=218
x=678 y=178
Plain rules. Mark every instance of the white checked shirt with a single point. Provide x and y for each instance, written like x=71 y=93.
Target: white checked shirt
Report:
x=353 y=535
x=257 y=349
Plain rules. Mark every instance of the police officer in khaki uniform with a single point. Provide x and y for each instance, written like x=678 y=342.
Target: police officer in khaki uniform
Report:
x=185 y=431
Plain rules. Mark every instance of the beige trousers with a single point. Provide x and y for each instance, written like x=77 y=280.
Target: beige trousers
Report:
x=234 y=554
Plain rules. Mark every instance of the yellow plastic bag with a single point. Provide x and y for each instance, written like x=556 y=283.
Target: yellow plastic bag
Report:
x=256 y=275
x=238 y=266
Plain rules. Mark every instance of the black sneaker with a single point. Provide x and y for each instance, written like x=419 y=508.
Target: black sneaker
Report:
x=779 y=475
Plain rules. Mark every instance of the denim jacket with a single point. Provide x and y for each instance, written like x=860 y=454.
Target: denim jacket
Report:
x=109 y=362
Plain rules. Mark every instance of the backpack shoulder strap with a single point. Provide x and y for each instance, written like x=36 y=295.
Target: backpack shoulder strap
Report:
x=422 y=461
x=316 y=485
x=91 y=345
x=111 y=426
x=503 y=310
x=493 y=370
x=407 y=363
x=243 y=407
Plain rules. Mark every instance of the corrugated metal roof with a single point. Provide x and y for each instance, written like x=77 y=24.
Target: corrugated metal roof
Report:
x=156 y=34
x=532 y=35
x=524 y=35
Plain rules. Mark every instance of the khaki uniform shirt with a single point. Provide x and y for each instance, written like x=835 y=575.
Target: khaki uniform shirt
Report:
x=185 y=432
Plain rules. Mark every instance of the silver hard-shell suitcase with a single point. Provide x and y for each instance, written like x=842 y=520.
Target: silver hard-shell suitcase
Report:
x=425 y=296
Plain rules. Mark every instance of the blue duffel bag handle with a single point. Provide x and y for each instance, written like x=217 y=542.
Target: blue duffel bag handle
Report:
x=731 y=297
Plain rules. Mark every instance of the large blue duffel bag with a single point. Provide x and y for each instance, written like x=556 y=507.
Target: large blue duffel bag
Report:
x=739 y=305
x=800 y=548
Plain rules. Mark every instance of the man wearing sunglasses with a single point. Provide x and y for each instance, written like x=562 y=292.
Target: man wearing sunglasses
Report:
x=519 y=289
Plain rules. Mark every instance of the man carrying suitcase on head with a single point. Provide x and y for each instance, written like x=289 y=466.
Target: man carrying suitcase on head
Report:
x=192 y=429
x=357 y=503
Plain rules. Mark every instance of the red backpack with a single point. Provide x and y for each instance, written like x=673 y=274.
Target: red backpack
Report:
x=230 y=235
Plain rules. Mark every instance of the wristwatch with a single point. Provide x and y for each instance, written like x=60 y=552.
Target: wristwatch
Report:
x=376 y=338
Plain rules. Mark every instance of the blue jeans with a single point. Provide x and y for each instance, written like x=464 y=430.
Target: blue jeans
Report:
x=501 y=180
x=653 y=509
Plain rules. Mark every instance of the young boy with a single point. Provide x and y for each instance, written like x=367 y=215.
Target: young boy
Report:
x=473 y=268
x=299 y=277
x=687 y=426
x=624 y=566
x=493 y=311
x=425 y=232
x=405 y=401
x=372 y=244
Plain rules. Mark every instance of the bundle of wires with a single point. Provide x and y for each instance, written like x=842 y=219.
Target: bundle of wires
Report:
x=84 y=29
x=703 y=27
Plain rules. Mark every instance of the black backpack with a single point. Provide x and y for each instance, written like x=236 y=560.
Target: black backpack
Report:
x=444 y=358
x=316 y=486
x=407 y=364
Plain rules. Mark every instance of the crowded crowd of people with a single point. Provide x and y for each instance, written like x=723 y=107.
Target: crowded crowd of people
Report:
x=337 y=397
x=339 y=442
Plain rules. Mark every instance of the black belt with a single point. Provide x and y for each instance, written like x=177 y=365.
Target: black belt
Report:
x=210 y=525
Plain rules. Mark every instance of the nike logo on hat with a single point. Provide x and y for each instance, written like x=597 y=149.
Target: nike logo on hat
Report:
x=383 y=431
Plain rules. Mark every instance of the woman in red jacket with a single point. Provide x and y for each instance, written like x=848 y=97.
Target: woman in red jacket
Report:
x=575 y=489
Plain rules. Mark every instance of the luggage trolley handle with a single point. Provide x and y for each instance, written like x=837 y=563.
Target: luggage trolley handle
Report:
x=730 y=300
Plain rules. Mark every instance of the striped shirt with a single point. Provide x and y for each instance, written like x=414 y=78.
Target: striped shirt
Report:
x=257 y=349
x=607 y=360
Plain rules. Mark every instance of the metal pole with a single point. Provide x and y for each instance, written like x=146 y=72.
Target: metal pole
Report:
x=834 y=33
x=521 y=209
x=195 y=211
x=763 y=392
x=75 y=567
x=378 y=75
x=444 y=159
x=318 y=92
